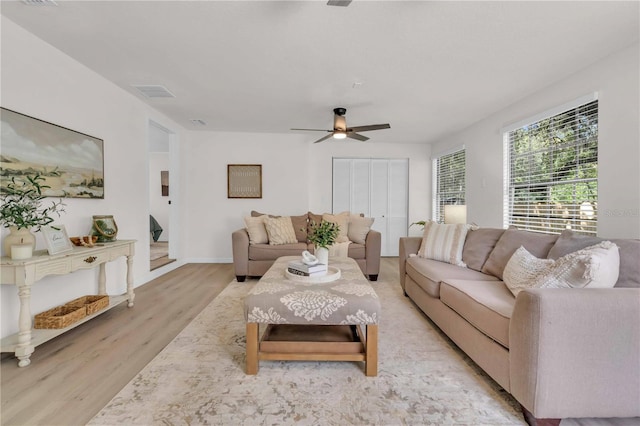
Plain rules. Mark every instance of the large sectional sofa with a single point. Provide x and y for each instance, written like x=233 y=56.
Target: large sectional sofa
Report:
x=561 y=352
x=254 y=260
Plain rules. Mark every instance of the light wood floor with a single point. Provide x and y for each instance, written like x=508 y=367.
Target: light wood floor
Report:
x=75 y=375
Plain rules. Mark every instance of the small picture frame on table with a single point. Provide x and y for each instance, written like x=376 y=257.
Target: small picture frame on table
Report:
x=57 y=239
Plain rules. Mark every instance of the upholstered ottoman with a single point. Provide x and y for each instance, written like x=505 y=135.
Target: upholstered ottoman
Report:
x=308 y=321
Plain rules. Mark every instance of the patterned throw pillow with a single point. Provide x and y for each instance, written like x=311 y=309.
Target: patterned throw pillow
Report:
x=280 y=230
x=256 y=230
x=594 y=267
x=359 y=228
x=342 y=220
x=444 y=242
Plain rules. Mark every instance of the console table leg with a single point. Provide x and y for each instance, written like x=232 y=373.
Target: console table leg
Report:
x=24 y=349
x=102 y=279
x=130 y=280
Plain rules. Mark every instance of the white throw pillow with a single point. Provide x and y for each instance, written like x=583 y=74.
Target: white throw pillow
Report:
x=342 y=220
x=359 y=228
x=444 y=242
x=280 y=230
x=596 y=266
x=522 y=269
x=256 y=230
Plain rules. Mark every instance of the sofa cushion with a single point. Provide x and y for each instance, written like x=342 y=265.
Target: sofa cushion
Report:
x=535 y=243
x=299 y=224
x=357 y=251
x=280 y=230
x=487 y=305
x=269 y=252
x=443 y=242
x=522 y=270
x=342 y=220
x=479 y=245
x=256 y=230
x=359 y=228
x=429 y=273
x=629 y=276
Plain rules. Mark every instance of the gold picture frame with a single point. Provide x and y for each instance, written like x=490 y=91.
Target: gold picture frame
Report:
x=244 y=181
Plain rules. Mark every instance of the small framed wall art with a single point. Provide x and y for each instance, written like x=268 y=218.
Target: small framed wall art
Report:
x=244 y=181
x=57 y=239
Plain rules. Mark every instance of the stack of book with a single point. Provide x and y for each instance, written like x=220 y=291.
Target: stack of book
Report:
x=299 y=268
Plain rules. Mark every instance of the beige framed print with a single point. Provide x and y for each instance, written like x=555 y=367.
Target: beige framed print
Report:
x=57 y=239
x=244 y=181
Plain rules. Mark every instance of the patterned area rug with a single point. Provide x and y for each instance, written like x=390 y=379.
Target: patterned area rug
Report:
x=199 y=378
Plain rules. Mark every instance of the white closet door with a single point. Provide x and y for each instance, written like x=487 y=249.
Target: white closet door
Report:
x=377 y=188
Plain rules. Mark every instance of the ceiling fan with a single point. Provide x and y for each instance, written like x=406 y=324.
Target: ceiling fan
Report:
x=341 y=131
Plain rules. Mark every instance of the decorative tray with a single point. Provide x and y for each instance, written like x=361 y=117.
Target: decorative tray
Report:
x=331 y=275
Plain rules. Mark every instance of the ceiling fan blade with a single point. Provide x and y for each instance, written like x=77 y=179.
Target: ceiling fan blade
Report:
x=357 y=136
x=324 y=138
x=314 y=130
x=369 y=127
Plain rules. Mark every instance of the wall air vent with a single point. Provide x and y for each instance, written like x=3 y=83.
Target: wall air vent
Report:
x=343 y=3
x=198 y=122
x=40 y=2
x=151 y=91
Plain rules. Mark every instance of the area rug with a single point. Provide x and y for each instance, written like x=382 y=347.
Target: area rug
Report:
x=199 y=378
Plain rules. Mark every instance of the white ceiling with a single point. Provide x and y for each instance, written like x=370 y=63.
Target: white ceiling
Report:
x=427 y=68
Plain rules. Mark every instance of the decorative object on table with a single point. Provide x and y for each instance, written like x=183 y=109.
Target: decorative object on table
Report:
x=22 y=210
x=300 y=268
x=59 y=317
x=105 y=228
x=71 y=163
x=244 y=181
x=308 y=258
x=331 y=274
x=92 y=303
x=84 y=241
x=323 y=235
x=57 y=239
x=420 y=222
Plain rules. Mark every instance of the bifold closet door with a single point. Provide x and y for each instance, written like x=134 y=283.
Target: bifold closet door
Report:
x=377 y=188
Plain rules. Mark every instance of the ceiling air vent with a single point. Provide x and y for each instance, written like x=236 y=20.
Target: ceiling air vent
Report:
x=40 y=2
x=198 y=122
x=154 y=91
x=343 y=3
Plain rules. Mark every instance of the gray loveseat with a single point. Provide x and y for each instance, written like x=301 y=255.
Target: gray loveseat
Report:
x=560 y=352
x=255 y=259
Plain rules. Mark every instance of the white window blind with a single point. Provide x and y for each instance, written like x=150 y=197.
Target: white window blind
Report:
x=551 y=173
x=448 y=182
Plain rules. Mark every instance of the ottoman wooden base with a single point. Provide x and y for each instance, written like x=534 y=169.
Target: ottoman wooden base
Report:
x=313 y=343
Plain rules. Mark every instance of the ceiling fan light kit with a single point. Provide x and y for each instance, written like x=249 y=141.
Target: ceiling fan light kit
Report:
x=341 y=131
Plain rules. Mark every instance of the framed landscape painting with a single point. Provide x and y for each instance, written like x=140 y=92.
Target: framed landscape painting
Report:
x=71 y=162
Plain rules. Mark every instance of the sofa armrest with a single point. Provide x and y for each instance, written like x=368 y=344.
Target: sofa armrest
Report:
x=408 y=245
x=576 y=352
x=240 y=246
x=372 y=250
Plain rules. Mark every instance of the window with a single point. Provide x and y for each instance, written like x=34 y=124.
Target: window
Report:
x=551 y=172
x=448 y=182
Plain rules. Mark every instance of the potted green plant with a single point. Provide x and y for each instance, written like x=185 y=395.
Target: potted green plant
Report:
x=22 y=210
x=322 y=235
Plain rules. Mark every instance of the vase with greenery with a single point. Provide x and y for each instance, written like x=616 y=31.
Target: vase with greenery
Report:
x=323 y=235
x=24 y=210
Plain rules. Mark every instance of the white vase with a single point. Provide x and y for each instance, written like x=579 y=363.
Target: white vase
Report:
x=18 y=236
x=322 y=254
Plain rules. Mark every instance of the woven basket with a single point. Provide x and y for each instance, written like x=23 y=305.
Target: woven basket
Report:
x=59 y=317
x=92 y=304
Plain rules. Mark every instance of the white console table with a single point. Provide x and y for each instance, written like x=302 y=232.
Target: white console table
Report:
x=23 y=273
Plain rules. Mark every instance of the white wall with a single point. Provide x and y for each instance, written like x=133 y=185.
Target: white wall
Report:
x=616 y=79
x=42 y=82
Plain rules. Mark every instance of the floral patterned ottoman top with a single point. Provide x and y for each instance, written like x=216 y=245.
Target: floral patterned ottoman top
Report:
x=277 y=300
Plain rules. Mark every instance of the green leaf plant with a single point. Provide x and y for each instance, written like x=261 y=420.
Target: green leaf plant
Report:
x=22 y=204
x=323 y=234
